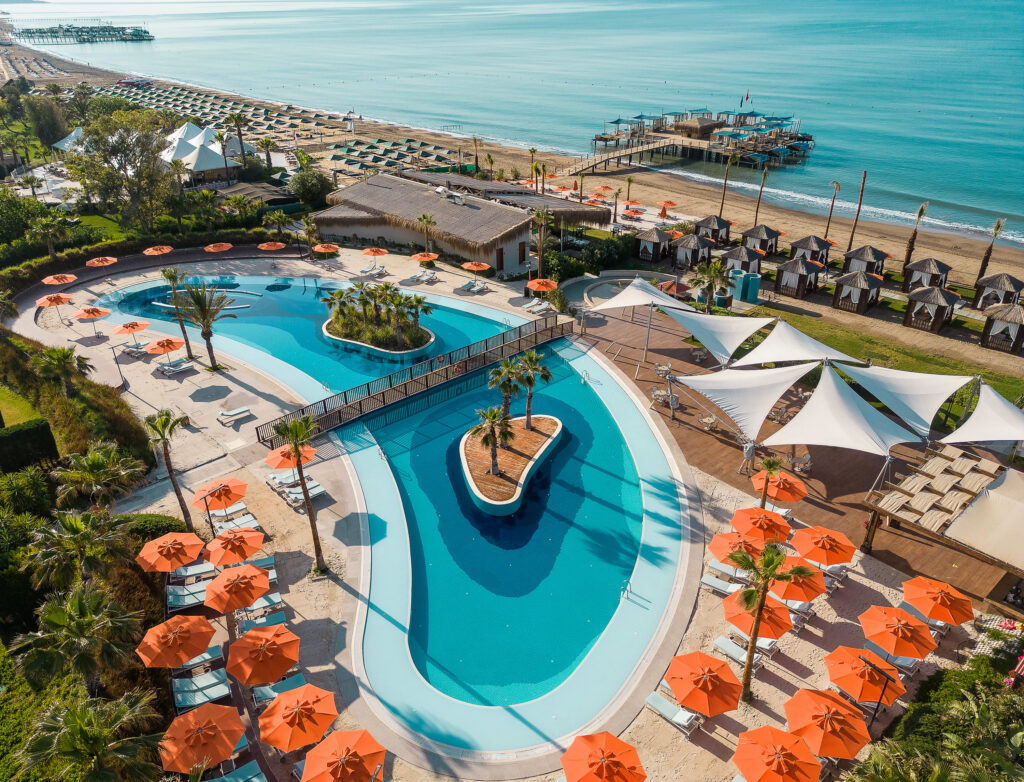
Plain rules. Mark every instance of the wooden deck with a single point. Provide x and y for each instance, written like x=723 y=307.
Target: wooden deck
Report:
x=840 y=478
x=512 y=461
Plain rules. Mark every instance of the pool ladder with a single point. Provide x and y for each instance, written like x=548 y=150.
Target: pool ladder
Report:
x=625 y=591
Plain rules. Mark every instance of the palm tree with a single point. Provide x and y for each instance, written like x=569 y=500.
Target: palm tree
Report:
x=204 y=203
x=835 y=192
x=309 y=233
x=203 y=307
x=239 y=121
x=75 y=549
x=95 y=740
x=32 y=181
x=540 y=219
x=362 y=291
x=399 y=314
x=428 y=222
x=339 y=301
x=490 y=166
x=532 y=151
x=100 y=475
x=505 y=377
x=629 y=187
x=772 y=466
x=733 y=159
x=174 y=277
x=53 y=90
x=418 y=305
x=276 y=219
x=298 y=433
x=49 y=229
x=266 y=145
x=761 y=573
x=61 y=365
x=583 y=176
x=493 y=429
x=709 y=278
x=543 y=178
x=615 y=208
x=80 y=102
x=913 y=237
x=162 y=426
x=476 y=153
x=530 y=371
x=760 y=191
x=82 y=631
x=8 y=309
x=222 y=139
x=996 y=230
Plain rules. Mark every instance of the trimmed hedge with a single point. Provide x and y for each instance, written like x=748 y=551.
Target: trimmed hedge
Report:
x=26 y=443
x=147 y=526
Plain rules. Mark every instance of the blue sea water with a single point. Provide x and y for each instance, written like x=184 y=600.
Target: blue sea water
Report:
x=927 y=97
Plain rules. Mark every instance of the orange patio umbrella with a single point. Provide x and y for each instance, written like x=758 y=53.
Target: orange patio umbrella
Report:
x=234 y=546
x=162 y=347
x=476 y=266
x=781 y=487
x=58 y=279
x=768 y=754
x=160 y=249
x=297 y=718
x=344 y=756
x=169 y=552
x=326 y=248
x=829 y=724
x=375 y=251
x=219 y=494
x=822 y=545
x=667 y=204
x=236 y=587
x=725 y=543
x=897 y=632
x=93 y=314
x=271 y=246
x=104 y=260
x=762 y=525
x=597 y=196
x=663 y=212
x=631 y=202
x=53 y=300
x=594 y=202
x=562 y=188
x=263 y=655
x=218 y=247
x=775 y=621
x=421 y=257
x=803 y=588
x=131 y=327
x=283 y=458
x=857 y=673
x=206 y=735
x=938 y=600
x=602 y=757
x=632 y=212
x=175 y=641
x=703 y=683
x=542 y=284
x=604 y=189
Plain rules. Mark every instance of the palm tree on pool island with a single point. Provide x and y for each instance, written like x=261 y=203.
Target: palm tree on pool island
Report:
x=530 y=371
x=174 y=278
x=162 y=426
x=493 y=429
x=761 y=574
x=204 y=307
x=505 y=377
x=708 y=279
x=298 y=433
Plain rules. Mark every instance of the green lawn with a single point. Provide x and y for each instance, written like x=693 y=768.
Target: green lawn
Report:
x=15 y=409
x=110 y=228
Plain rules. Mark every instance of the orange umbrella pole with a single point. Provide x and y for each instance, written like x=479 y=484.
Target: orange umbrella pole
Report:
x=888 y=680
x=206 y=504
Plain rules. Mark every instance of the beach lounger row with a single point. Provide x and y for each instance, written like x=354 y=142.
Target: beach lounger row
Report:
x=684 y=719
x=176 y=369
x=211 y=656
x=268 y=692
x=190 y=692
x=238 y=507
x=735 y=652
x=719 y=587
x=180 y=598
x=426 y=275
x=537 y=306
x=473 y=286
x=250 y=772
x=907 y=665
x=248 y=520
x=373 y=270
x=267 y=621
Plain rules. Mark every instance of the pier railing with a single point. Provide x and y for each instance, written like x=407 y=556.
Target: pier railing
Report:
x=591 y=161
x=340 y=409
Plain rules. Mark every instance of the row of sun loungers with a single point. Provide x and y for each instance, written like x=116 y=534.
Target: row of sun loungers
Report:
x=426 y=275
x=373 y=270
x=473 y=286
x=286 y=484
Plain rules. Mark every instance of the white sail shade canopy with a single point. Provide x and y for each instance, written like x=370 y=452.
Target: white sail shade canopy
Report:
x=746 y=395
x=785 y=343
x=837 y=417
x=991 y=523
x=994 y=419
x=913 y=396
x=640 y=293
x=720 y=334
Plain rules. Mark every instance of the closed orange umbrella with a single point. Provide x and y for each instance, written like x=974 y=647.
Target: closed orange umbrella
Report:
x=823 y=545
x=58 y=279
x=602 y=757
x=236 y=587
x=326 y=248
x=703 y=683
x=234 y=546
x=775 y=621
x=856 y=672
x=169 y=552
x=283 y=458
x=421 y=257
x=938 y=600
x=828 y=723
x=663 y=212
x=53 y=300
x=175 y=641
x=160 y=249
x=725 y=543
x=105 y=260
x=762 y=525
x=206 y=735
x=220 y=494
x=263 y=655
x=803 y=588
x=781 y=487
x=897 y=632
x=218 y=247
x=271 y=246
x=575 y=184
x=542 y=284
x=375 y=251
x=297 y=718
x=768 y=754
x=344 y=756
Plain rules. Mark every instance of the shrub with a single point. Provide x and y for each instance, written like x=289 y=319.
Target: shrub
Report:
x=26 y=443
x=558 y=300
x=27 y=491
x=560 y=267
x=427 y=264
x=147 y=526
x=310 y=186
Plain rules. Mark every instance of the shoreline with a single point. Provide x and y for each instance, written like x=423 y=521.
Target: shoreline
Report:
x=962 y=252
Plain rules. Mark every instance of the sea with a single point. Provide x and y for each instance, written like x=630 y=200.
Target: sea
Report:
x=926 y=96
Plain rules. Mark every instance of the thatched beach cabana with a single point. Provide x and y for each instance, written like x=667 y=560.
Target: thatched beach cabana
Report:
x=714 y=228
x=762 y=237
x=929 y=308
x=797 y=278
x=744 y=259
x=865 y=259
x=996 y=289
x=856 y=292
x=653 y=244
x=926 y=271
x=813 y=248
x=692 y=250
x=1004 y=328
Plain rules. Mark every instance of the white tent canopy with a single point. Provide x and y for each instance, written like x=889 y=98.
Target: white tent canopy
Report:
x=185 y=132
x=179 y=150
x=720 y=334
x=837 y=417
x=746 y=395
x=913 y=396
x=640 y=293
x=70 y=141
x=205 y=159
x=994 y=419
x=991 y=523
x=785 y=343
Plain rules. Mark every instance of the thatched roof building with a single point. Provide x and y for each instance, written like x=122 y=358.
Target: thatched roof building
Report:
x=996 y=289
x=797 y=277
x=814 y=248
x=856 y=292
x=654 y=243
x=1004 y=327
x=762 y=237
x=865 y=259
x=699 y=127
x=714 y=228
x=743 y=258
x=926 y=271
x=692 y=250
x=929 y=308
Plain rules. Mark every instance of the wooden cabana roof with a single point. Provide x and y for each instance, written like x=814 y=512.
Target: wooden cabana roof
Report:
x=930 y=294
x=1006 y=313
x=692 y=242
x=713 y=221
x=812 y=243
x=654 y=235
x=801 y=266
x=1002 y=282
x=866 y=253
x=762 y=232
x=861 y=280
x=929 y=266
x=701 y=123
x=743 y=254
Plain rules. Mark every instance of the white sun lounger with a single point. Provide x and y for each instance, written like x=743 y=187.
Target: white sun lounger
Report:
x=175 y=369
x=430 y=276
x=731 y=571
x=544 y=307
x=938 y=628
x=227 y=417
x=478 y=287
x=238 y=507
x=418 y=275
x=283 y=479
x=529 y=304
x=467 y=287
x=296 y=500
x=371 y=269
x=766 y=646
x=297 y=490
x=684 y=719
x=718 y=586
x=907 y=665
x=735 y=652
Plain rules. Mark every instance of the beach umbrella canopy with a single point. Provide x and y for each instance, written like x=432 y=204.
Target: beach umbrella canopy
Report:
x=667 y=203
x=631 y=202
x=851 y=671
x=762 y=525
x=420 y=257
x=937 y=600
x=775 y=621
x=162 y=346
x=234 y=546
x=169 y=552
x=542 y=284
x=602 y=757
x=604 y=189
x=828 y=723
x=91 y=313
x=781 y=487
x=297 y=718
x=105 y=260
x=206 y=735
x=218 y=247
x=326 y=248
x=802 y=588
x=263 y=655
x=822 y=545
x=897 y=632
x=131 y=327
x=160 y=249
x=58 y=279
x=53 y=300
x=283 y=458
x=597 y=196
x=476 y=266
x=562 y=188
x=236 y=587
x=725 y=543
x=375 y=251
x=220 y=494
x=344 y=756
x=175 y=642
x=768 y=754
x=271 y=246
x=632 y=212
x=594 y=202
x=703 y=683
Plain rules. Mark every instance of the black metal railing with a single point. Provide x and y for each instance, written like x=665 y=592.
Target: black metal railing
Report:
x=340 y=409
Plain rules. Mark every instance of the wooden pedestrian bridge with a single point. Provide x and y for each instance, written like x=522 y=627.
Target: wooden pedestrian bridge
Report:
x=669 y=145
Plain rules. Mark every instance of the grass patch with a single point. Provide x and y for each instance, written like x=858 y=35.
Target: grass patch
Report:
x=597 y=233
x=15 y=409
x=110 y=229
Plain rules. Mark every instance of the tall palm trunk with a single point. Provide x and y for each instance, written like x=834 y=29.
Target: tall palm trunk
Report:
x=764 y=491
x=828 y=222
x=856 y=217
x=207 y=335
x=506 y=402
x=748 y=665
x=725 y=186
x=318 y=554
x=529 y=408
x=495 y=470
x=177 y=489
x=760 y=190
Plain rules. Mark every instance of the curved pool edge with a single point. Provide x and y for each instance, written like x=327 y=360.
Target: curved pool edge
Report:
x=616 y=713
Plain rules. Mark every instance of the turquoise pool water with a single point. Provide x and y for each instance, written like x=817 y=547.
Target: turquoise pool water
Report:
x=285 y=321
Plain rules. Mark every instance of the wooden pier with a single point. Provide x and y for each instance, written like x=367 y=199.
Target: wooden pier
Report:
x=80 y=31
x=666 y=145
